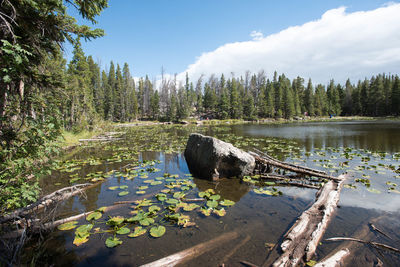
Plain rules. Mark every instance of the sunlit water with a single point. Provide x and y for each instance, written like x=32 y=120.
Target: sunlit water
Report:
x=366 y=150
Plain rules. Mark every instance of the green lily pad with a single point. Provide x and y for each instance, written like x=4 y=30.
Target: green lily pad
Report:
x=190 y=207
x=67 y=226
x=117 y=220
x=156 y=183
x=227 y=202
x=123 y=193
x=205 y=211
x=179 y=195
x=154 y=208
x=161 y=197
x=215 y=197
x=140 y=192
x=373 y=190
x=212 y=204
x=83 y=229
x=220 y=212
x=143 y=187
x=146 y=221
x=138 y=231
x=113 y=242
x=94 y=216
x=123 y=187
x=157 y=231
x=113 y=187
x=123 y=231
x=172 y=201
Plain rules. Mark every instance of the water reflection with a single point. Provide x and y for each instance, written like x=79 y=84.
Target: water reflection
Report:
x=381 y=135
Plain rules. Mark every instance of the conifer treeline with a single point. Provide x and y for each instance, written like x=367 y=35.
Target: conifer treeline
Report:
x=114 y=95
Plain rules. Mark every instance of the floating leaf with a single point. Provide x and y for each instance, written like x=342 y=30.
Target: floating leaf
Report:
x=83 y=229
x=123 y=193
x=212 y=204
x=172 y=201
x=156 y=183
x=146 y=221
x=179 y=195
x=138 y=231
x=140 y=192
x=79 y=240
x=148 y=181
x=157 y=231
x=311 y=263
x=154 y=208
x=190 y=207
x=123 y=187
x=117 y=220
x=143 y=187
x=94 y=216
x=215 y=197
x=67 y=226
x=205 y=211
x=227 y=202
x=161 y=197
x=113 y=187
x=220 y=212
x=102 y=209
x=123 y=231
x=113 y=242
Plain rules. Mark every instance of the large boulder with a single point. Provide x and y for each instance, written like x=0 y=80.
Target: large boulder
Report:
x=210 y=158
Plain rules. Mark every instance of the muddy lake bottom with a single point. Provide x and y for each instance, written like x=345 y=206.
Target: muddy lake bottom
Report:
x=148 y=166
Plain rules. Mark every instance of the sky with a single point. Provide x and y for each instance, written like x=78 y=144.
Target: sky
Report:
x=315 y=39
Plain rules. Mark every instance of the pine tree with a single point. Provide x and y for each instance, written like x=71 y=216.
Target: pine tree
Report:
x=155 y=105
x=109 y=93
x=396 y=96
x=309 y=99
x=235 y=108
x=119 y=109
x=248 y=106
x=288 y=107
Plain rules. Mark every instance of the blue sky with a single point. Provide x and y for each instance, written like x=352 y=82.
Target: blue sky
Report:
x=148 y=34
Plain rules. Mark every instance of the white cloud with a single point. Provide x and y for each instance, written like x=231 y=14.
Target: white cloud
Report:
x=257 y=35
x=339 y=45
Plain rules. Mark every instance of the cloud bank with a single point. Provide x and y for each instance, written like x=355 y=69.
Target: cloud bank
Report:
x=339 y=45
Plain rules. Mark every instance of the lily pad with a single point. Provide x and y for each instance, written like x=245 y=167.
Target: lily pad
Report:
x=227 y=202
x=138 y=231
x=123 y=193
x=117 y=220
x=215 y=197
x=157 y=231
x=140 y=192
x=220 y=212
x=146 y=221
x=79 y=240
x=123 y=231
x=113 y=187
x=123 y=187
x=94 y=216
x=83 y=229
x=67 y=226
x=212 y=204
x=154 y=208
x=113 y=242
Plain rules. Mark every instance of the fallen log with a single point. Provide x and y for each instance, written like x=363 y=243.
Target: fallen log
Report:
x=188 y=254
x=372 y=243
x=301 y=241
x=288 y=164
x=286 y=180
x=293 y=168
x=334 y=260
x=44 y=202
x=50 y=225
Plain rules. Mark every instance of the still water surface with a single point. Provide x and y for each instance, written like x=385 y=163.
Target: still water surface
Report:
x=367 y=150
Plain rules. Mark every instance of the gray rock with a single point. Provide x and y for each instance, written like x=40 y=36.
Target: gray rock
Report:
x=210 y=158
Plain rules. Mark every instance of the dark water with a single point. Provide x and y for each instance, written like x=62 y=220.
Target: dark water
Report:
x=365 y=149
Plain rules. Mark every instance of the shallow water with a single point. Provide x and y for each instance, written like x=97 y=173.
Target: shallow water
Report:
x=366 y=149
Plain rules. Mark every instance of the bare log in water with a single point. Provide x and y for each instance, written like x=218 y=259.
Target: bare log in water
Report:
x=372 y=243
x=291 y=167
x=334 y=260
x=302 y=239
x=44 y=202
x=287 y=180
x=188 y=254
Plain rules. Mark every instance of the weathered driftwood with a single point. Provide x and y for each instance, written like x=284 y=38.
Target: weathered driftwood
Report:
x=44 y=202
x=36 y=228
x=291 y=167
x=301 y=241
x=286 y=163
x=376 y=229
x=188 y=254
x=372 y=243
x=334 y=260
x=287 y=180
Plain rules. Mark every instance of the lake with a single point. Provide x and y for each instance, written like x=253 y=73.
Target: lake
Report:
x=149 y=164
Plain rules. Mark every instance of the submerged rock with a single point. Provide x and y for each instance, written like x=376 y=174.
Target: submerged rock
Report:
x=210 y=158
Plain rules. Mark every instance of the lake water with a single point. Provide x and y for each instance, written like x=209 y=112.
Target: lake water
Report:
x=367 y=150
